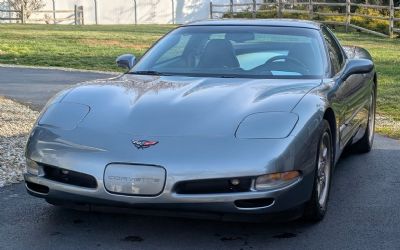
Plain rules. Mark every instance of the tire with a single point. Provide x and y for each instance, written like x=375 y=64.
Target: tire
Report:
x=316 y=207
x=364 y=145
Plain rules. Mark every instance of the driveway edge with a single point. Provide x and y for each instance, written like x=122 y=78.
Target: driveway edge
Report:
x=59 y=68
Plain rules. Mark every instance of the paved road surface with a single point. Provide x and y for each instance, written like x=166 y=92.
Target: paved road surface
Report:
x=363 y=214
x=35 y=86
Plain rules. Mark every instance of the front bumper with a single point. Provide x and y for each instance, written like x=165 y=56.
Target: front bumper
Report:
x=284 y=199
x=223 y=158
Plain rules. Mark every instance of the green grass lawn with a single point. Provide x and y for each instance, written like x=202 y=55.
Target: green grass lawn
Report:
x=96 y=47
x=81 y=47
x=386 y=55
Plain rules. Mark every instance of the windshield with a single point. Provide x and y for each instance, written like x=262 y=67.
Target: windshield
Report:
x=236 y=51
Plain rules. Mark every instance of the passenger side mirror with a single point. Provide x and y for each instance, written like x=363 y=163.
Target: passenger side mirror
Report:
x=126 y=61
x=357 y=66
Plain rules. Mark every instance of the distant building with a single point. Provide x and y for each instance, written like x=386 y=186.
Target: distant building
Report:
x=123 y=11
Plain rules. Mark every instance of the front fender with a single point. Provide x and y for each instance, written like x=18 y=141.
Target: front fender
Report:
x=312 y=110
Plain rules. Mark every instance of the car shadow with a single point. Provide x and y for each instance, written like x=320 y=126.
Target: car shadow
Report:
x=354 y=206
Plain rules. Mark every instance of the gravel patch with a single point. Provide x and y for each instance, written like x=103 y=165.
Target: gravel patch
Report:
x=388 y=122
x=16 y=121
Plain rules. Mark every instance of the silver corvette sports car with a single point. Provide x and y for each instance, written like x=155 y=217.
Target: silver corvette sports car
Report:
x=235 y=118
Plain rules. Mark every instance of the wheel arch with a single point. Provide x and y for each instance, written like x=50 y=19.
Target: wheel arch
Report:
x=329 y=115
x=376 y=82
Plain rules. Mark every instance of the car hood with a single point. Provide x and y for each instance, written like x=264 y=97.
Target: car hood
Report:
x=182 y=106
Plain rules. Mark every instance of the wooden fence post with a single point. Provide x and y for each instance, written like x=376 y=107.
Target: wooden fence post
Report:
x=134 y=2
x=348 y=11
x=54 y=12
x=211 y=10
x=279 y=8
x=254 y=14
x=231 y=8
x=81 y=16
x=10 y=16
x=391 y=18
x=173 y=11
x=95 y=12
x=75 y=14
x=310 y=9
x=22 y=14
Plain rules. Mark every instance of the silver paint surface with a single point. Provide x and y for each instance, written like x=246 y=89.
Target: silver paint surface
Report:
x=195 y=122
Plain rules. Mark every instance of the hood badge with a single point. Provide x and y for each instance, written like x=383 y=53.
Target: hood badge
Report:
x=142 y=144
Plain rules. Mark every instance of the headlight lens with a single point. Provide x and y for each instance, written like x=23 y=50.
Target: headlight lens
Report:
x=270 y=125
x=64 y=115
x=33 y=168
x=276 y=180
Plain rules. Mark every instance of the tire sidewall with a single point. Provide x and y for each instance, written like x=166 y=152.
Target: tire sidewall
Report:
x=315 y=211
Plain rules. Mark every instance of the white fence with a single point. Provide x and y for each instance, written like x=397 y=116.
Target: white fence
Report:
x=133 y=11
x=309 y=10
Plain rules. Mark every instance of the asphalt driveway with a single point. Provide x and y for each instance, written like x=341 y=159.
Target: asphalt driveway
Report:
x=363 y=211
x=35 y=86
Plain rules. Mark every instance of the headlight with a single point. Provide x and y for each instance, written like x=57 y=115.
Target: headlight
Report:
x=270 y=125
x=64 y=115
x=276 y=180
x=33 y=168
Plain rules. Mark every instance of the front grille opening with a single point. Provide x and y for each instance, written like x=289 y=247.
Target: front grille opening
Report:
x=254 y=203
x=214 y=186
x=37 y=188
x=69 y=177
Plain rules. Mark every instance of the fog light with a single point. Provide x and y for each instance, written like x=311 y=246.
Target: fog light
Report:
x=276 y=180
x=235 y=182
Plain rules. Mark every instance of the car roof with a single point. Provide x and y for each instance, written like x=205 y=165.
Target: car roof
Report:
x=258 y=22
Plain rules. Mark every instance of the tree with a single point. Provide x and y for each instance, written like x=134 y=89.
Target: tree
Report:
x=28 y=5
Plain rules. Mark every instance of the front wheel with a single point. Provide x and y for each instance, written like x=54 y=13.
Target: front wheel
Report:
x=316 y=207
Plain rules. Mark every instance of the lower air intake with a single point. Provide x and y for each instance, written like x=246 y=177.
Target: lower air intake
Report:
x=69 y=177
x=214 y=186
x=254 y=203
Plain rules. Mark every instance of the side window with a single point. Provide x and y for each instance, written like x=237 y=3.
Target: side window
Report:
x=335 y=53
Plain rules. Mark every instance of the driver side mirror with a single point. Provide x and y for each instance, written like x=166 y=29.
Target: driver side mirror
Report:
x=126 y=61
x=357 y=66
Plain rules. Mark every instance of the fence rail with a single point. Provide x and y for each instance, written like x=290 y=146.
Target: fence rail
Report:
x=9 y=11
x=76 y=15
x=281 y=7
x=51 y=11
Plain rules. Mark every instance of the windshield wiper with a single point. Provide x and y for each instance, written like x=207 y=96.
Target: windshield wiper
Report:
x=156 y=73
x=148 y=72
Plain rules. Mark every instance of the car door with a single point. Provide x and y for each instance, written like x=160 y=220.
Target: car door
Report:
x=350 y=94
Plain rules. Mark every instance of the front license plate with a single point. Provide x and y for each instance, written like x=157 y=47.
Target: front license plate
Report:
x=134 y=179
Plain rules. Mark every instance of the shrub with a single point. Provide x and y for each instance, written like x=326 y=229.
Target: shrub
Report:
x=378 y=25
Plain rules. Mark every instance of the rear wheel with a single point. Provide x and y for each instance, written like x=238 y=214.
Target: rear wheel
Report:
x=316 y=207
x=364 y=145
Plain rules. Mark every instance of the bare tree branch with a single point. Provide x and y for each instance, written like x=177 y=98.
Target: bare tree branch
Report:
x=28 y=5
